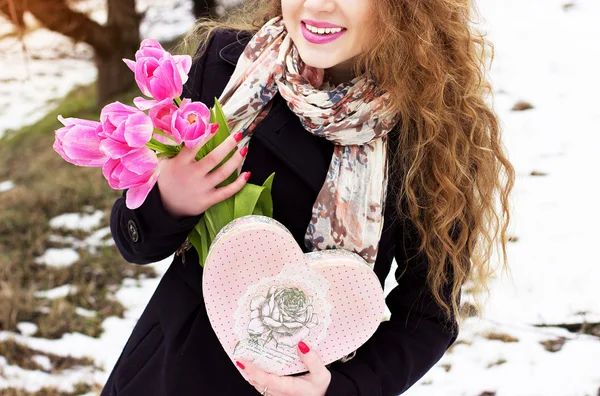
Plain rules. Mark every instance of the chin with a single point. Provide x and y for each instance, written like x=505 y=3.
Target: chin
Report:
x=319 y=63
x=318 y=59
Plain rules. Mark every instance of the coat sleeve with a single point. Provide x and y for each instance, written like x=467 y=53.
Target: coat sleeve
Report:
x=149 y=233
x=404 y=348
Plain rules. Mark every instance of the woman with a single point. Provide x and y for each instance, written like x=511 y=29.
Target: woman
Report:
x=372 y=114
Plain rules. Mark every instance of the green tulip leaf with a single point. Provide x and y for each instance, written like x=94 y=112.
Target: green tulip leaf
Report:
x=264 y=206
x=251 y=199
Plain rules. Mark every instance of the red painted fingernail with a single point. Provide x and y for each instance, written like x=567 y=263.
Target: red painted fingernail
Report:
x=244 y=151
x=237 y=136
x=303 y=347
x=240 y=365
x=247 y=175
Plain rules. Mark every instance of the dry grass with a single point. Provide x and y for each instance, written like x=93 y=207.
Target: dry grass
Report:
x=522 y=106
x=22 y=356
x=537 y=173
x=554 y=345
x=47 y=186
x=584 y=327
x=79 y=389
x=468 y=310
x=457 y=343
x=62 y=318
x=496 y=363
x=491 y=335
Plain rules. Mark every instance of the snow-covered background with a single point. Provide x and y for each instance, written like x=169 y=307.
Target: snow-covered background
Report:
x=547 y=54
x=31 y=83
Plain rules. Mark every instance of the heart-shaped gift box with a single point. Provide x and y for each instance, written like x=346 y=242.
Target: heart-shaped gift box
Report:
x=263 y=295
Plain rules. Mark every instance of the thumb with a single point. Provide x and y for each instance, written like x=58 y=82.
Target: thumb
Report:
x=311 y=359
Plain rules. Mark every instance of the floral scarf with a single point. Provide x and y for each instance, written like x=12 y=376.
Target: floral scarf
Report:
x=348 y=212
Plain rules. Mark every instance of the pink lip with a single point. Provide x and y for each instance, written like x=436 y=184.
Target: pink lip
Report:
x=314 y=38
x=320 y=24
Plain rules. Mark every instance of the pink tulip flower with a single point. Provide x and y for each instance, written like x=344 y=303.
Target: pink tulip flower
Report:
x=136 y=171
x=125 y=129
x=161 y=116
x=78 y=142
x=191 y=123
x=159 y=74
x=132 y=165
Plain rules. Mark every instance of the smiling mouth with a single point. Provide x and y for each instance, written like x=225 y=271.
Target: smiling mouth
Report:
x=322 y=30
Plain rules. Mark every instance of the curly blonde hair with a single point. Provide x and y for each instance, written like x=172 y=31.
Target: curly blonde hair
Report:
x=451 y=174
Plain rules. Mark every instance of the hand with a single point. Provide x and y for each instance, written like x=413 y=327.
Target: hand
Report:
x=188 y=187
x=315 y=383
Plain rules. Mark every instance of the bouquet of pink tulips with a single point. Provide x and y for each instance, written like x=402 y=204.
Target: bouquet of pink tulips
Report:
x=128 y=143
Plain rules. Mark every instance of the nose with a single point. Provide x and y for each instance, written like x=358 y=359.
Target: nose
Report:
x=320 y=6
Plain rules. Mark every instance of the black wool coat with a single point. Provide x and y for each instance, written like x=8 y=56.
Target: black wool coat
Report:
x=173 y=350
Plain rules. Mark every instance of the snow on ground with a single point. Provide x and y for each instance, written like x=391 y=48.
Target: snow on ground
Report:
x=32 y=83
x=552 y=66
x=134 y=296
x=57 y=292
x=85 y=312
x=58 y=257
x=546 y=54
x=44 y=362
x=521 y=368
x=33 y=380
x=78 y=221
x=27 y=328
x=6 y=186
x=97 y=239
x=86 y=222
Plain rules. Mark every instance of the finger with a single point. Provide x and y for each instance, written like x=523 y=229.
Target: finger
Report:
x=312 y=360
x=219 y=175
x=215 y=157
x=222 y=193
x=260 y=379
x=189 y=154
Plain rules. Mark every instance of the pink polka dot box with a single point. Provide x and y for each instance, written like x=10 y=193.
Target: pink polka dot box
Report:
x=263 y=295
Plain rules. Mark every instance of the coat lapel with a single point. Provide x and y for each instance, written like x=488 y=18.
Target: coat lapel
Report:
x=307 y=155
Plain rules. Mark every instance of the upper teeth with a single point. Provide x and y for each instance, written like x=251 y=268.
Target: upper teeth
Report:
x=322 y=30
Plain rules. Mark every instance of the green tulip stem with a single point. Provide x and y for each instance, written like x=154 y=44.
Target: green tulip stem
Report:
x=250 y=200
x=161 y=149
x=161 y=133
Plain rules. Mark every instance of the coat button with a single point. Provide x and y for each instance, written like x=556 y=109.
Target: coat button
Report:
x=133 y=231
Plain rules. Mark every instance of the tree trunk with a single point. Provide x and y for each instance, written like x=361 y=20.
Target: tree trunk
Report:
x=123 y=24
x=57 y=16
x=118 y=39
x=13 y=11
x=205 y=8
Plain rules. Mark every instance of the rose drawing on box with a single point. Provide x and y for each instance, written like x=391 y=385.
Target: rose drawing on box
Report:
x=278 y=312
x=285 y=315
